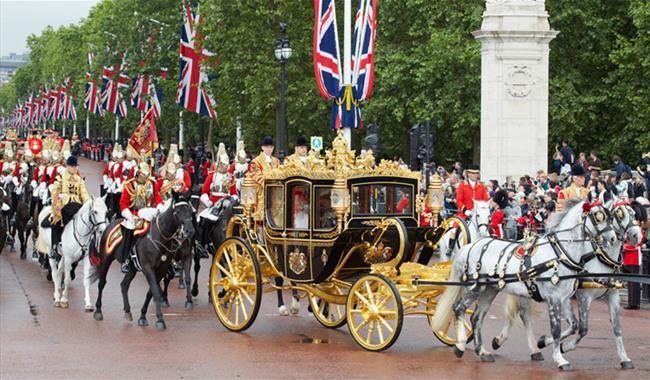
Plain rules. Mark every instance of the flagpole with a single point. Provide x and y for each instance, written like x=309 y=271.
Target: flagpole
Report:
x=180 y=130
x=63 y=129
x=117 y=128
x=347 y=57
x=87 y=125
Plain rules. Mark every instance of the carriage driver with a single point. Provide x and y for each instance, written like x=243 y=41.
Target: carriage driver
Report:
x=299 y=157
x=68 y=195
x=139 y=200
x=260 y=164
x=577 y=188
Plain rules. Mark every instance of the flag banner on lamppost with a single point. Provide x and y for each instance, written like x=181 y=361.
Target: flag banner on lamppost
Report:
x=349 y=89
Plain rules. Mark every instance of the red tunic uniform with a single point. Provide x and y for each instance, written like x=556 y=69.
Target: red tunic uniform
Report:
x=219 y=185
x=496 y=223
x=136 y=196
x=466 y=194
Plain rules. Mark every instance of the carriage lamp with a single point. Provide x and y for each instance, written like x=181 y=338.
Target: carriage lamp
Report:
x=435 y=195
x=340 y=200
x=248 y=194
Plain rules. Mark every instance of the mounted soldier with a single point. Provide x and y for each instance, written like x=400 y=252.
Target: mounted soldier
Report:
x=139 y=200
x=68 y=195
x=218 y=185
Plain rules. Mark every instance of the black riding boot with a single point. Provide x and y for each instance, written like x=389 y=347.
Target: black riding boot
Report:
x=32 y=208
x=127 y=241
x=57 y=230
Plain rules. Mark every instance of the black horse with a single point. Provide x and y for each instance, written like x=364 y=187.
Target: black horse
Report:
x=22 y=216
x=5 y=198
x=216 y=235
x=168 y=231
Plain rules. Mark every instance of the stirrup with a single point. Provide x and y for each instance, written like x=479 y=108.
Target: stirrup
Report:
x=126 y=266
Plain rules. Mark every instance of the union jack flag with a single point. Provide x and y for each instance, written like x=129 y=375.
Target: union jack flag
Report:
x=191 y=93
x=140 y=92
x=112 y=100
x=29 y=111
x=45 y=103
x=64 y=99
x=155 y=97
x=346 y=109
x=53 y=104
x=91 y=101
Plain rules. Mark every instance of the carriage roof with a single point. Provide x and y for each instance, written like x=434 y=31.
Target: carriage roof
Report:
x=340 y=162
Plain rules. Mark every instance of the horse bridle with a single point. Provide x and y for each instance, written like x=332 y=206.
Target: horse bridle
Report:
x=93 y=229
x=179 y=235
x=479 y=225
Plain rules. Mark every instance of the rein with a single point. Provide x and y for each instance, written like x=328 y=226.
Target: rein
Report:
x=92 y=230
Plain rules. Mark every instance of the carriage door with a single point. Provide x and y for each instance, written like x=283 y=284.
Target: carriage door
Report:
x=297 y=258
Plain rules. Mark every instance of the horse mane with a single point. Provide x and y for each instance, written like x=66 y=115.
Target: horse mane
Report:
x=557 y=217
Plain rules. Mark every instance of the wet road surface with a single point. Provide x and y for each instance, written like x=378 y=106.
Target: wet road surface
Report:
x=38 y=341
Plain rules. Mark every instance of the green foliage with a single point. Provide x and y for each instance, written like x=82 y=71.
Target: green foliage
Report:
x=427 y=68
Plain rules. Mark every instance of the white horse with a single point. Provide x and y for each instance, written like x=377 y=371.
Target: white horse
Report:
x=88 y=222
x=538 y=273
x=478 y=225
x=607 y=260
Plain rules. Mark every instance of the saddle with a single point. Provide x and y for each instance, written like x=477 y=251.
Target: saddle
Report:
x=114 y=233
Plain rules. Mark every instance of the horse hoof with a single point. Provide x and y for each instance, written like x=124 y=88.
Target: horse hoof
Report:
x=142 y=322
x=89 y=308
x=495 y=344
x=541 y=342
x=487 y=358
x=537 y=357
x=283 y=311
x=627 y=365
x=189 y=305
x=64 y=304
x=57 y=303
x=164 y=303
x=458 y=352
x=98 y=316
x=181 y=285
x=195 y=291
x=49 y=276
x=72 y=275
x=23 y=255
x=160 y=325
x=128 y=316
x=566 y=367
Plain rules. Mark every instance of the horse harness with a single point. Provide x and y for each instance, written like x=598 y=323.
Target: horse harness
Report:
x=177 y=239
x=528 y=273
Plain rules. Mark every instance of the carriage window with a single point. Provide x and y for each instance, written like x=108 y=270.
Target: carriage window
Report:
x=382 y=199
x=274 y=206
x=325 y=217
x=298 y=206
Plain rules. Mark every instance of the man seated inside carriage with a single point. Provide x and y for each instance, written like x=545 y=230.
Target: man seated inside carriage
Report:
x=68 y=195
x=139 y=200
x=218 y=185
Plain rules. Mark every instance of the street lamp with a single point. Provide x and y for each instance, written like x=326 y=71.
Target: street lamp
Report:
x=282 y=53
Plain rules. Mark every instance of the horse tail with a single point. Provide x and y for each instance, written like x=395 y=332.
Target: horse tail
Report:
x=41 y=246
x=512 y=310
x=446 y=302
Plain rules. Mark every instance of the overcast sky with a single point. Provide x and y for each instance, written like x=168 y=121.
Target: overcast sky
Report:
x=20 y=18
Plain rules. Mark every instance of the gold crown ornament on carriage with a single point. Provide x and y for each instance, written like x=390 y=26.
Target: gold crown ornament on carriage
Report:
x=342 y=164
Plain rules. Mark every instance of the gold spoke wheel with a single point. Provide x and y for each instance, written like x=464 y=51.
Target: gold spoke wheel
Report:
x=328 y=314
x=448 y=335
x=235 y=284
x=374 y=312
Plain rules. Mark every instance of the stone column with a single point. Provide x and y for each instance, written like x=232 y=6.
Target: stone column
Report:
x=515 y=37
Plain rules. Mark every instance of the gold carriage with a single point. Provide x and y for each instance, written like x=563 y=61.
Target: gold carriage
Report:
x=345 y=232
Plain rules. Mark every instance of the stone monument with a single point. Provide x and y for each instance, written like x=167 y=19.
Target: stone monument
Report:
x=515 y=37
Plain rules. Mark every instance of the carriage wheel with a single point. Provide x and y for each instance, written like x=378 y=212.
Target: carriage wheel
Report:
x=448 y=335
x=235 y=284
x=374 y=312
x=329 y=314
